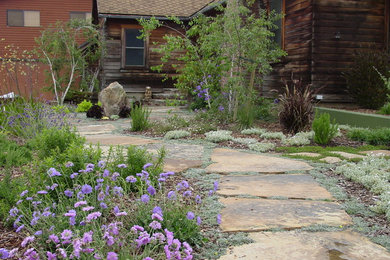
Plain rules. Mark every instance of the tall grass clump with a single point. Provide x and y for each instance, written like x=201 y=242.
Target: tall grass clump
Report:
x=324 y=130
x=296 y=107
x=140 y=118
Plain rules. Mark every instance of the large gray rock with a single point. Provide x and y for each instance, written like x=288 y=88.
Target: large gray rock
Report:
x=113 y=98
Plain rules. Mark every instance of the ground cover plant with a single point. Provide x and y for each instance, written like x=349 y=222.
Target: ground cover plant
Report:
x=380 y=136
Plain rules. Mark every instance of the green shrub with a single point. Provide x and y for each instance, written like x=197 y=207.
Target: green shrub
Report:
x=177 y=134
x=84 y=106
x=10 y=189
x=11 y=154
x=61 y=109
x=385 y=110
x=253 y=131
x=296 y=107
x=219 y=136
x=363 y=81
x=262 y=147
x=55 y=141
x=301 y=138
x=246 y=115
x=380 y=136
x=273 y=135
x=140 y=118
x=324 y=130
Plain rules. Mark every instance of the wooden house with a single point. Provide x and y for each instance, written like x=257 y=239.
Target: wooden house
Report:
x=21 y=21
x=319 y=36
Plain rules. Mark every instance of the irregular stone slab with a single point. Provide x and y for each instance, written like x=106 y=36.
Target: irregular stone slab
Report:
x=249 y=215
x=348 y=155
x=297 y=245
x=306 y=154
x=330 y=159
x=118 y=140
x=297 y=186
x=180 y=165
x=95 y=129
x=179 y=151
x=227 y=160
x=377 y=153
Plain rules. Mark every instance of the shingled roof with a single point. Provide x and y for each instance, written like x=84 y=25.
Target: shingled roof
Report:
x=179 y=8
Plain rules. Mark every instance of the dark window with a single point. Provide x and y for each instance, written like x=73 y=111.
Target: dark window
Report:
x=134 y=48
x=80 y=15
x=23 y=18
x=277 y=6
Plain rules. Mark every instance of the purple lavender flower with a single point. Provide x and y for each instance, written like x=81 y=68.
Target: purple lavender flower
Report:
x=151 y=190
x=148 y=258
x=63 y=253
x=190 y=215
x=51 y=256
x=90 y=166
x=118 y=190
x=122 y=165
x=70 y=213
x=54 y=238
x=143 y=239
x=155 y=225
x=136 y=228
x=171 y=195
x=27 y=240
x=147 y=165
x=74 y=175
x=157 y=216
x=219 y=219
x=68 y=193
x=158 y=236
x=93 y=215
x=169 y=236
x=198 y=220
x=55 y=185
x=66 y=234
x=53 y=172
x=80 y=203
x=101 y=164
x=23 y=193
x=106 y=173
x=86 y=189
x=215 y=185
x=80 y=195
x=100 y=180
x=115 y=176
x=157 y=210
x=103 y=205
x=101 y=196
x=131 y=179
x=42 y=192
x=88 y=208
x=29 y=198
x=13 y=212
x=145 y=198
x=38 y=233
x=221 y=108
x=19 y=228
x=198 y=199
x=87 y=237
x=187 y=193
x=112 y=256
x=4 y=254
x=69 y=164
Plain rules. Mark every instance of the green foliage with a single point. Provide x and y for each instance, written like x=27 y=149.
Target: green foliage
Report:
x=140 y=118
x=61 y=109
x=176 y=134
x=10 y=189
x=84 y=106
x=299 y=139
x=380 y=136
x=228 y=45
x=246 y=115
x=253 y=131
x=324 y=130
x=55 y=141
x=262 y=147
x=11 y=154
x=58 y=47
x=296 y=107
x=219 y=136
x=363 y=81
x=385 y=110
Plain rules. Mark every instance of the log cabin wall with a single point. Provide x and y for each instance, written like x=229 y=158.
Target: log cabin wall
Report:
x=297 y=42
x=340 y=28
x=134 y=79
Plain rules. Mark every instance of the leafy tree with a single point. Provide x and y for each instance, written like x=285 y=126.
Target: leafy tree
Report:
x=220 y=52
x=60 y=48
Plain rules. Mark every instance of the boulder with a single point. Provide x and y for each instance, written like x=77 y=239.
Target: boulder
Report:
x=113 y=98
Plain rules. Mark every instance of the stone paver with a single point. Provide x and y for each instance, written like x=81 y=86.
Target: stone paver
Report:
x=298 y=186
x=227 y=160
x=180 y=165
x=348 y=155
x=109 y=139
x=377 y=153
x=251 y=215
x=179 y=151
x=306 y=154
x=95 y=129
x=296 y=245
x=331 y=159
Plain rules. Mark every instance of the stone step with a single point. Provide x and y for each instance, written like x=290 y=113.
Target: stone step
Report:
x=168 y=95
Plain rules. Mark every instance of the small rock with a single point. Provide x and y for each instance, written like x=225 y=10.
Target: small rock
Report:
x=331 y=159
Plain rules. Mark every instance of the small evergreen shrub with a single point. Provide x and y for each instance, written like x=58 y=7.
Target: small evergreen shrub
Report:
x=84 y=106
x=95 y=111
x=262 y=147
x=246 y=141
x=273 y=135
x=140 y=118
x=363 y=81
x=253 y=131
x=177 y=134
x=324 y=130
x=380 y=136
x=296 y=107
x=219 y=136
x=385 y=110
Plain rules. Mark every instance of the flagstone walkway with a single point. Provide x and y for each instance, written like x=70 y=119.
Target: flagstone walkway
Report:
x=261 y=193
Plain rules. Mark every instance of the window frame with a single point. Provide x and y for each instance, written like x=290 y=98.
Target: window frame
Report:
x=123 y=41
x=78 y=12
x=24 y=22
x=282 y=28
x=387 y=26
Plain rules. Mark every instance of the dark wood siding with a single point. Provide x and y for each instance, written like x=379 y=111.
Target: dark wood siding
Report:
x=134 y=79
x=340 y=28
x=297 y=44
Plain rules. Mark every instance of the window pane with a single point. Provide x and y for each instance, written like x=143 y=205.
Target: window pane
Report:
x=15 y=17
x=77 y=15
x=135 y=57
x=131 y=38
x=31 y=18
x=276 y=5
